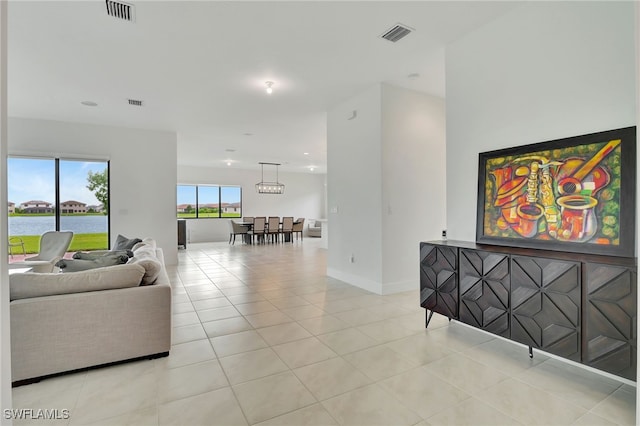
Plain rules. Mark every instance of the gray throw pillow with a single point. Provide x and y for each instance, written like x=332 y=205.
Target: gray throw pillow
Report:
x=91 y=255
x=76 y=265
x=124 y=243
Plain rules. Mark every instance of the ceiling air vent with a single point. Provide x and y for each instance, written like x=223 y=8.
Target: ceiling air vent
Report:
x=396 y=33
x=120 y=10
x=135 y=102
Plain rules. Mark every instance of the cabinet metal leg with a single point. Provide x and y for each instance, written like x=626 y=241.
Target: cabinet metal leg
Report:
x=428 y=316
x=530 y=352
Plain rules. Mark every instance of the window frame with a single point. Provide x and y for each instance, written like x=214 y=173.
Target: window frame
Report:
x=197 y=201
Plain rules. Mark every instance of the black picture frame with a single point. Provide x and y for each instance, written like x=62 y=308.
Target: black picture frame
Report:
x=575 y=194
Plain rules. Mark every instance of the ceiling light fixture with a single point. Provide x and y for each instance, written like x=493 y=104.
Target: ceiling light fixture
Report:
x=311 y=169
x=263 y=187
x=305 y=153
x=89 y=103
x=228 y=163
x=269 y=88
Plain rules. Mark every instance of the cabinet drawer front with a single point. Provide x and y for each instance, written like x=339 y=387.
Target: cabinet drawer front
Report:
x=610 y=326
x=484 y=290
x=545 y=305
x=438 y=279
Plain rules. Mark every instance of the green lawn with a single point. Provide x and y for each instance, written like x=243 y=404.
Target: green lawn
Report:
x=201 y=215
x=80 y=242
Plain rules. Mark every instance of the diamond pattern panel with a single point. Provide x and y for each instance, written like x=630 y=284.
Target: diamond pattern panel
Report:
x=484 y=290
x=438 y=279
x=545 y=305
x=611 y=335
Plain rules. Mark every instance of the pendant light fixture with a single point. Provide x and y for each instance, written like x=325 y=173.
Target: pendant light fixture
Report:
x=263 y=187
x=269 y=89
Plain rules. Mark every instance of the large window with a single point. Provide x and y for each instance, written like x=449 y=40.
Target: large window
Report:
x=207 y=201
x=48 y=194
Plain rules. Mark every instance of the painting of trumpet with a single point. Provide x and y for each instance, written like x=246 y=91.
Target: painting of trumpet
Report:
x=574 y=194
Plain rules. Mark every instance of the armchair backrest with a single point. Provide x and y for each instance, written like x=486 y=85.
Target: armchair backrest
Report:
x=54 y=244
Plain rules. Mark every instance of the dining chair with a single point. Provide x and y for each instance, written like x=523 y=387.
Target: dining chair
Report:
x=298 y=227
x=236 y=229
x=287 y=229
x=273 y=228
x=247 y=219
x=258 y=230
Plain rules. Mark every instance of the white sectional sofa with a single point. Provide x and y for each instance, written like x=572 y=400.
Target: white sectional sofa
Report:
x=62 y=322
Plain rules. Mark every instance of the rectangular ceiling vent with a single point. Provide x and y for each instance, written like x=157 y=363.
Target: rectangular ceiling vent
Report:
x=121 y=10
x=396 y=33
x=135 y=102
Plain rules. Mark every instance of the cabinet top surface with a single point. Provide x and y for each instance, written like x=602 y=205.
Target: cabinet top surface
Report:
x=564 y=255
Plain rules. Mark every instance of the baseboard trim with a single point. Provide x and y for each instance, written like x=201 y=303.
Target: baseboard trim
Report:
x=399 y=286
x=355 y=280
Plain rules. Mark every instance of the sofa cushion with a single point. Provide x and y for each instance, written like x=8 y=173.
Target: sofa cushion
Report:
x=124 y=243
x=32 y=284
x=146 y=257
x=76 y=265
x=90 y=255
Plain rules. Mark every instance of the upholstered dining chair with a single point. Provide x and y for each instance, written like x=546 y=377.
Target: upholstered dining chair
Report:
x=247 y=219
x=53 y=245
x=298 y=227
x=273 y=228
x=236 y=229
x=258 y=230
x=287 y=229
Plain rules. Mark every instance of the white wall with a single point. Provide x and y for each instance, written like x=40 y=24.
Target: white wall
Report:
x=354 y=190
x=5 y=336
x=386 y=170
x=142 y=171
x=304 y=196
x=543 y=71
x=413 y=182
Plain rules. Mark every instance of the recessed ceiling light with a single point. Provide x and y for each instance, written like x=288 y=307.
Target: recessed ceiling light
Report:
x=311 y=169
x=230 y=150
x=414 y=75
x=248 y=134
x=228 y=163
x=305 y=153
x=89 y=103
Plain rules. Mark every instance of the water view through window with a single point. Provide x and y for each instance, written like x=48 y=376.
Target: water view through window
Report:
x=79 y=202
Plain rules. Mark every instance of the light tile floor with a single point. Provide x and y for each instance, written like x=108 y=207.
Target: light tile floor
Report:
x=262 y=336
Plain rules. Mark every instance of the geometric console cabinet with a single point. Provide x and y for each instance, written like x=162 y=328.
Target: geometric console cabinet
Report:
x=580 y=307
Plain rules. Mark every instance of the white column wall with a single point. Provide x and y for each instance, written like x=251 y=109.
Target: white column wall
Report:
x=386 y=192
x=5 y=337
x=413 y=182
x=543 y=71
x=354 y=191
x=143 y=171
x=304 y=196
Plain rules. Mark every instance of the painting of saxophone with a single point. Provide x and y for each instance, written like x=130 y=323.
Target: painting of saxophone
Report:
x=576 y=194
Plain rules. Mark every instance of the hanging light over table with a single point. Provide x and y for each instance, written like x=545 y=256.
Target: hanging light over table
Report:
x=263 y=187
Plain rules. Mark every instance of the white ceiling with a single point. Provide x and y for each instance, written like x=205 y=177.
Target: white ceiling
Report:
x=200 y=68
